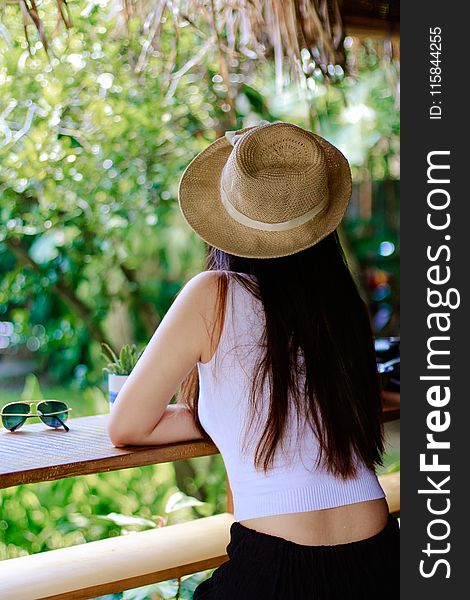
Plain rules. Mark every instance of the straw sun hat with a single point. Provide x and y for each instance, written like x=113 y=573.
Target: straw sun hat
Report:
x=265 y=191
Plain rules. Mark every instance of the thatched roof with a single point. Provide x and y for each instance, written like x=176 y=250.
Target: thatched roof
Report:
x=256 y=28
x=371 y=18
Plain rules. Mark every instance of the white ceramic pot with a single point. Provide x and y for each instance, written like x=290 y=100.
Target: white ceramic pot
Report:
x=115 y=383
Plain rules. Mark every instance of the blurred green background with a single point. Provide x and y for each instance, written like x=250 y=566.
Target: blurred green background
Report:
x=94 y=136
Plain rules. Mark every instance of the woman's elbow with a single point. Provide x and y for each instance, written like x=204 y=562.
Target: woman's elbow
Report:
x=118 y=438
x=116 y=443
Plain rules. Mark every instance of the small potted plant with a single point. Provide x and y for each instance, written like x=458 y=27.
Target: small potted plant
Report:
x=119 y=367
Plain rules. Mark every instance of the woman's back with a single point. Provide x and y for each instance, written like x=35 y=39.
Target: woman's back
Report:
x=294 y=499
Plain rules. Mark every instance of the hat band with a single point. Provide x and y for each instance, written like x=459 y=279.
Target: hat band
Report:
x=262 y=226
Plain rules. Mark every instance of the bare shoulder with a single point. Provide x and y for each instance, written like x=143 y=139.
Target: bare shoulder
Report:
x=207 y=278
x=203 y=289
x=206 y=281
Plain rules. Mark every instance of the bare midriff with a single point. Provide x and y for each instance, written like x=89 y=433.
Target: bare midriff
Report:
x=326 y=527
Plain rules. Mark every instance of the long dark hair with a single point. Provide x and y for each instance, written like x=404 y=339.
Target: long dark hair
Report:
x=314 y=310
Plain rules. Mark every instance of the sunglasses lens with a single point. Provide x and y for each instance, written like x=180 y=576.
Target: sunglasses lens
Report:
x=17 y=420
x=52 y=406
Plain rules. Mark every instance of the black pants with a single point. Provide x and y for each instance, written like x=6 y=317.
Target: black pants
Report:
x=267 y=567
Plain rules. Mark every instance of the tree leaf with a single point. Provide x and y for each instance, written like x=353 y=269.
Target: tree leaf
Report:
x=178 y=500
x=190 y=582
x=126 y=520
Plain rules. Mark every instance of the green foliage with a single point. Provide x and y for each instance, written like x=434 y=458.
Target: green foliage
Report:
x=91 y=151
x=173 y=589
x=166 y=590
x=124 y=363
x=88 y=187
x=43 y=516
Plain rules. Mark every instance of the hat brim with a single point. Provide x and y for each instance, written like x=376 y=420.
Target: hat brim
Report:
x=202 y=208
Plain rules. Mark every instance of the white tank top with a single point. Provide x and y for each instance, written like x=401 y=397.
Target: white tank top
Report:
x=293 y=483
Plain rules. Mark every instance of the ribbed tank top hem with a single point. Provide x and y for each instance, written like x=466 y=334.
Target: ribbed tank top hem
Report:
x=313 y=497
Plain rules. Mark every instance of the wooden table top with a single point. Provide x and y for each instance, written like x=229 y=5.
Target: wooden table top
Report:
x=38 y=453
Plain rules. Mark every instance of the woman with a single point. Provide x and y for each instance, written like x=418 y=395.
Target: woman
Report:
x=272 y=353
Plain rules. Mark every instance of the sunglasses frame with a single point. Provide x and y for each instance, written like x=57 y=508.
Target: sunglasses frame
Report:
x=36 y=414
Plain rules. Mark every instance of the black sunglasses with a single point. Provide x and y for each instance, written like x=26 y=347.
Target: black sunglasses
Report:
x=51 y=412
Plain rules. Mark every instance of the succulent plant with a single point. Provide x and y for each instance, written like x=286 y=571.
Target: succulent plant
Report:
x=122 y=364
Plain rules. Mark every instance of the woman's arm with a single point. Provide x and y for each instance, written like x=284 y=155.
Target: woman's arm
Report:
x=176 y=425
x=141 y=414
